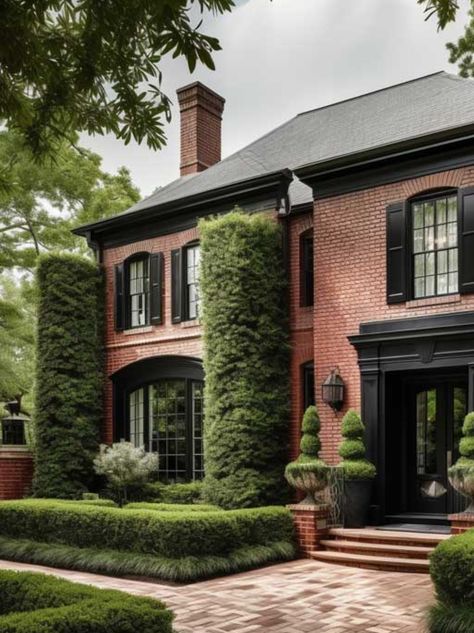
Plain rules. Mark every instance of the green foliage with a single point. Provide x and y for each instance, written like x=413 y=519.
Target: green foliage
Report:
x=171 y=507
x=466 y=447
x=444 y=10
x=465 y=464
x=448 y=619
x=172 y=493
x=94 y=67
x=179 y=545
x=452 y=570
x=310 y=444
x=468 y=426
x=119 y=563
x=243 y=288
x=352 y=448
x=125 y=466
x=36 y=602
x=107 y=503
x=69 y=375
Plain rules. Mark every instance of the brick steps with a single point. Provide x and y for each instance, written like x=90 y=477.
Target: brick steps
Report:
x=377 y=549
x=385 y=563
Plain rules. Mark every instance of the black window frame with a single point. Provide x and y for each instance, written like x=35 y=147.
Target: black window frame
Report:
x=308 y=385
x=306 y=271
x=150 y=443
x=136 y=257
x=184 y=291
x=434 y=194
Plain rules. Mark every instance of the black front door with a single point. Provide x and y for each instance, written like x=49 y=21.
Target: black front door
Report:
x=435 y=412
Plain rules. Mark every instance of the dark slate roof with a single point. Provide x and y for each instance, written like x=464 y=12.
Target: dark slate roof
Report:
x=413 y=109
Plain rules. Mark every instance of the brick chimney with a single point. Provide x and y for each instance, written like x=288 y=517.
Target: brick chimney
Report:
x=201 y=116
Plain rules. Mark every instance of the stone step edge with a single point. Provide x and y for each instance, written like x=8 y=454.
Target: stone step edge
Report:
x=398 y=551
x=382 y=563
x=385 y=536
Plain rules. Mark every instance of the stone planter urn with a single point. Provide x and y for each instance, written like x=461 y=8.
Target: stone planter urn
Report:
x=461 y=478
x=310 y=477
x=461 y=475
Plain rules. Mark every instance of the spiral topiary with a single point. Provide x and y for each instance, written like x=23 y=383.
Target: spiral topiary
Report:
x=308 y=472
x=461 y=475
x=352 y=449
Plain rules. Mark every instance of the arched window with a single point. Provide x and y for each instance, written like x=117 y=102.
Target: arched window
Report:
x=158 y=404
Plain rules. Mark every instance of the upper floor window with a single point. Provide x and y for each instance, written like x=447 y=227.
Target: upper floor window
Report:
x=306 y=269
x=430 y=245
x=185 y=298
x=138 y=292
x=192 y=282
x=435 y=246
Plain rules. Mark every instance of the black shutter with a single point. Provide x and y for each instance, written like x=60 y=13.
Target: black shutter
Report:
x=176 y=286
x=156 y=277
x=119 y=297
x=466 y=240
x=397 y=253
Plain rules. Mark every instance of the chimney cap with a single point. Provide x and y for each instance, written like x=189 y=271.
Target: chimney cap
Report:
x=200 y=87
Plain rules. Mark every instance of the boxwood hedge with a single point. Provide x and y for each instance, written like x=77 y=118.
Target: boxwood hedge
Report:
x=35 y=602
x=175 y=545
x=452 y=572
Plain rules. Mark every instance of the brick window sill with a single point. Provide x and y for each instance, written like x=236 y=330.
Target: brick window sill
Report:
x=190 y=323
x=138 y=330
x=433 y=301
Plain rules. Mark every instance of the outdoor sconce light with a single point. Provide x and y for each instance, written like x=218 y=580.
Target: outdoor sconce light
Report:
x=332 y=390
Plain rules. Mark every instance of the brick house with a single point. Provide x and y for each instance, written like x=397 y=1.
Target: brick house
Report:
x=376 y=198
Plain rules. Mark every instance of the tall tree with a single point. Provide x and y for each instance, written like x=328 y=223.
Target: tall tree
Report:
x=44 y=199
x=68 y=66
x=462 y=51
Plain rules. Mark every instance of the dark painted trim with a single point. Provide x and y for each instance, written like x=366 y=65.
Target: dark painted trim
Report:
x=327 y=179
x=268 y=191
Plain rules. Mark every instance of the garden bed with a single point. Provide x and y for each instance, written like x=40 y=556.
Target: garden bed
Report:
x=170 y=545
x=36 y=602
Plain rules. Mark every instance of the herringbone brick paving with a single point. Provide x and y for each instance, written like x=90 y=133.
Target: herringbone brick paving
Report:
x=298 y=597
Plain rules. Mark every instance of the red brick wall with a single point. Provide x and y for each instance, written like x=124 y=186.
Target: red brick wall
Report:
x=16 y=473
x=350 y=273
x=184 y=339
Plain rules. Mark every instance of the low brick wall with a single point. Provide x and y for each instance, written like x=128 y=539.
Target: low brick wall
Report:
x=461 y=522
x=311 y=526
x=16 y=472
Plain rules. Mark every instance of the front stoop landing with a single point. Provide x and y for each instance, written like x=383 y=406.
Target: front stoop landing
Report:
x=374 y=549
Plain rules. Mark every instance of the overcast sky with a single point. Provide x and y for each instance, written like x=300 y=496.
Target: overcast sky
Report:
x=284 y=57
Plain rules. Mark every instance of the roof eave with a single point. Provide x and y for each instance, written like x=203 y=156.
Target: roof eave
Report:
x=312 y=171
x=279 y=179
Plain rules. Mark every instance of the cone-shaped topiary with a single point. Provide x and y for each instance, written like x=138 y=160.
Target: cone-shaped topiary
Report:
x=308 y=472
x=461 y=475
x=352 y=449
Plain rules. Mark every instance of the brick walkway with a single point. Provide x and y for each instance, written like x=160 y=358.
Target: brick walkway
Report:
x=297 y=597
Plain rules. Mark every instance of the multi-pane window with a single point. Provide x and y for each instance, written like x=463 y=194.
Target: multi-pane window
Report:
x=192 y=281
x=197 y=427
x=435 y=246
x=138 y=292
x=137 y=418
x=306 y=270
x=167 y=418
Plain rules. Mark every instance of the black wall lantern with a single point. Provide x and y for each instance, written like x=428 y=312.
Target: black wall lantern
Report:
x=332 y=390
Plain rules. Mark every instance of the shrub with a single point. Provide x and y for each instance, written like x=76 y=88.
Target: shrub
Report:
x=124 y=465
x=308 y=472
x=452 y=572
x=172 y=493
x=36 y=602
x=243 y=289
x=171 y=507
x=172 y=545
x=352 y=449
x=69 y=375
x=452 y=569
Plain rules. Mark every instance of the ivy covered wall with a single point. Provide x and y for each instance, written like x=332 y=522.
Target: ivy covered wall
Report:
x=69 y=376
x=246 y=360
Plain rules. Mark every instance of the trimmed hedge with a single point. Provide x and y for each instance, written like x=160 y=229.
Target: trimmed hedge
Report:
x=355 y=465
x=452 y=572
x=36 y=602
x=69 y=376
x=173 y=544
x=171 y=507
x=171 y=493
x=246 y=360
